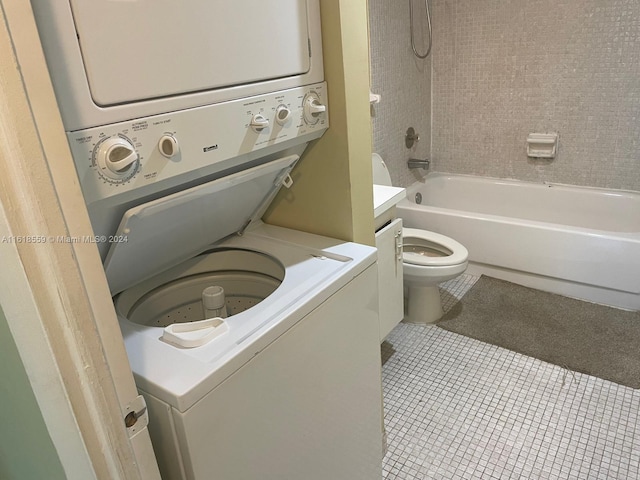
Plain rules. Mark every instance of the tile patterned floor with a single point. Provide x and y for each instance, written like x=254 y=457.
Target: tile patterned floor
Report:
x=457 y=408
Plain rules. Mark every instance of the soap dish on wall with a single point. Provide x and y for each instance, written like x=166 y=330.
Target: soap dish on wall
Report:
x=542 y=145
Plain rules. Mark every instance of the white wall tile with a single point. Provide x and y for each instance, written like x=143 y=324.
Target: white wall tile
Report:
x=505 y=68
x=501 y=69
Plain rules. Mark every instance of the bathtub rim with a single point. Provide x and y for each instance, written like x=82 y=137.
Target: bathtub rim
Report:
x=510 y=181
x=412 y=189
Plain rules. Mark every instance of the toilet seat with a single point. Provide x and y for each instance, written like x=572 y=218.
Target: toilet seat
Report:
x=447 y=250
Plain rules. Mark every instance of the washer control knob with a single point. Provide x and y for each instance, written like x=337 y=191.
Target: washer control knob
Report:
x=312 y=108
x=168 y=145
x=283 y=114
x=117 y=157
x=259 y=122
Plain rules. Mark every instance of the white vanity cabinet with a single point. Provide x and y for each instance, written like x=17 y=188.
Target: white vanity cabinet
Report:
x=389 y=245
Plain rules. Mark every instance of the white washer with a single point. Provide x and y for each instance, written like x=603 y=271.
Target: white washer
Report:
x=291 y=388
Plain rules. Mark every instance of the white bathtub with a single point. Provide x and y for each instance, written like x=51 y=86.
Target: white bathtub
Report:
x=576 y=241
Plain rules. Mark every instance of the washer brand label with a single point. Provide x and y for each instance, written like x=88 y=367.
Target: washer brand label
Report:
x=209 y=148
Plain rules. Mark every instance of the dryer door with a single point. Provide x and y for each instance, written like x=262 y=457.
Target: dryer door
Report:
x=140 y=50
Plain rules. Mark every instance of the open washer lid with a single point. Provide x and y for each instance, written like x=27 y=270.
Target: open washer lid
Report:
x=162 y=233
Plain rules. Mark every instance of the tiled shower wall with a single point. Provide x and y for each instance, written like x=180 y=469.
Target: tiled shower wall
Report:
x=404 y=82
x=505 y=68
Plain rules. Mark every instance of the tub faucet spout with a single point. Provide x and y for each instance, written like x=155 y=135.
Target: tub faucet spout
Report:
x=418 y=163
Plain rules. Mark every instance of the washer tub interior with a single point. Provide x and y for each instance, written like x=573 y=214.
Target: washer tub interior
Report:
x=176 y=295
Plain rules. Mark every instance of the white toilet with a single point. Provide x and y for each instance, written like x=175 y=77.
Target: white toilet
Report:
x=428 y=259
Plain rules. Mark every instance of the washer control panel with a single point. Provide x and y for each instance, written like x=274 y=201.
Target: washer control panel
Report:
x=176 y=147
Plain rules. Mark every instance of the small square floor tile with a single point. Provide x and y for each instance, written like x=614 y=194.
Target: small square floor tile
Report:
x=456 y=408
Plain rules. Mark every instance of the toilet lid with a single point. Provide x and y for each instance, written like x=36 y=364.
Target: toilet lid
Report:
x=421 y=247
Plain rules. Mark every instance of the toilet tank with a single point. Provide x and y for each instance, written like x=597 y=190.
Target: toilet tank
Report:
x=380 y=172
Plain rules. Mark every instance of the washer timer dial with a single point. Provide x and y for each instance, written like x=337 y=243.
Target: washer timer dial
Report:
x=116 y=159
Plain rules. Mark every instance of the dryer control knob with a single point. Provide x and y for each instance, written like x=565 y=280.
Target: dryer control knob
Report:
x=117 y=157
x=283 y=114
x=312 y=108
x=259 y=122
x=168 y=145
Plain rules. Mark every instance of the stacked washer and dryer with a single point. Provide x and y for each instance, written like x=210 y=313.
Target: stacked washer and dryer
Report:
x=256 y=347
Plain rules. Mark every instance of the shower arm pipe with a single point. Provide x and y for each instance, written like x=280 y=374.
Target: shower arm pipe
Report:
x=411 y=22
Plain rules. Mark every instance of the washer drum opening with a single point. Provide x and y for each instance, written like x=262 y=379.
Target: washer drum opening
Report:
x=175 y=296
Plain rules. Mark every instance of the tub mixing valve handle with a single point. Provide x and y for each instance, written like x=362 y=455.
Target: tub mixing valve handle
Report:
x=411 y=137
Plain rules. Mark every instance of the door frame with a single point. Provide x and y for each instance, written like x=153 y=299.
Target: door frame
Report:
x=52 y=287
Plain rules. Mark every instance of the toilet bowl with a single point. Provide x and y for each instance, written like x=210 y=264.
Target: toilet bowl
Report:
x=428 y=259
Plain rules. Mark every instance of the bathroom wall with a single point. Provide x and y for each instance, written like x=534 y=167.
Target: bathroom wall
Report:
x=503 y=69
x=404 y=81
x=331 y=194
